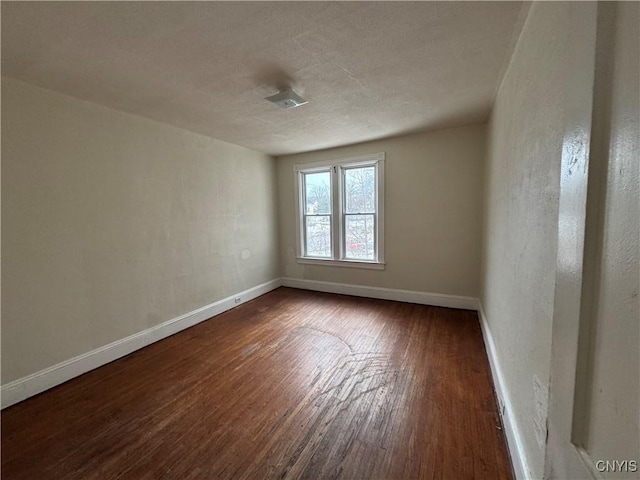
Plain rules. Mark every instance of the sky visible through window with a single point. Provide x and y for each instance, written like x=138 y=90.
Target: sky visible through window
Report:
x=359 y=213
x=360 y=209
x=318 y=206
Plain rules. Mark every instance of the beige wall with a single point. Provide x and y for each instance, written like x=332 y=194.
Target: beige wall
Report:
x=433 y=208
x=521 y=217
x=113 y=224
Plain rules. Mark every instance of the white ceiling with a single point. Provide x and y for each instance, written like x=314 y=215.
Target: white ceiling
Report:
x=369 y=69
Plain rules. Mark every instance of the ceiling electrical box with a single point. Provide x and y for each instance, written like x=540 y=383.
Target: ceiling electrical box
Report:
x=287 y=99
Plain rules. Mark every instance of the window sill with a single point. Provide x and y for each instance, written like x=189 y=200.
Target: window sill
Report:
x=342 y=263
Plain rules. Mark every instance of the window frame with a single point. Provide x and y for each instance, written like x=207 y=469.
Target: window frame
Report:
x=337 y=167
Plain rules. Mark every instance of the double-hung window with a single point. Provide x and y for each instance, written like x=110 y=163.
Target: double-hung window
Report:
x=340 y=212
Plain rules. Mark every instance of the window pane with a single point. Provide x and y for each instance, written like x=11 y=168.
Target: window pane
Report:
x=359 y=237
x=360 y=190
x=318 y=236
x=317 y=193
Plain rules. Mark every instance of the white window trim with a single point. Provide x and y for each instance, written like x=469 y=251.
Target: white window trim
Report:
x=337 y=223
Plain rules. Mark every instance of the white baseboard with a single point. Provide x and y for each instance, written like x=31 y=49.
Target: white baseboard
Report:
x=409 y=296
x=512 y=431
x=38 y=382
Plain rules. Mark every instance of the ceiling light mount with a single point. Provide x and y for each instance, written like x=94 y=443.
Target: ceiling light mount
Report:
x=286 y=99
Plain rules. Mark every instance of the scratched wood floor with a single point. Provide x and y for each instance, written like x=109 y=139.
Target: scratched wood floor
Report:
x=294 y=384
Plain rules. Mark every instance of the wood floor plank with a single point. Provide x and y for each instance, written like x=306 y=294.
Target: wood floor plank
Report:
x=294 y=384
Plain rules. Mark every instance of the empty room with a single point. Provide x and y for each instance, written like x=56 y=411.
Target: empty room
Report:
x=313 y=240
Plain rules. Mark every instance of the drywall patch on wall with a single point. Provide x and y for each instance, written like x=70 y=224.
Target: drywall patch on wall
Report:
x=540 y=405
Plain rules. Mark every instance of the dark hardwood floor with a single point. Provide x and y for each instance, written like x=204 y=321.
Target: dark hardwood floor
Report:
x=294 y=384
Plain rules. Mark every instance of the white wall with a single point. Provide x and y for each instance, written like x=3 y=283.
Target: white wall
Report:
x=113 y=224
x=433 y=208
x=521 y=217
x=521 y=230
x=608 y=402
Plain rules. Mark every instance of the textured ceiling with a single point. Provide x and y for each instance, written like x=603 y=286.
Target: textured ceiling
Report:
x=369 y=69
